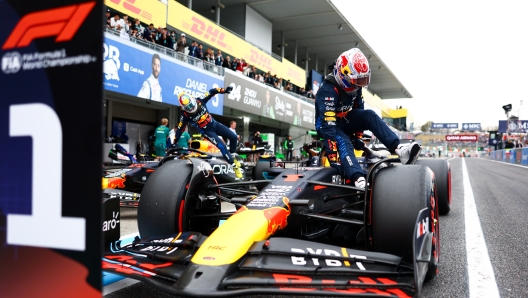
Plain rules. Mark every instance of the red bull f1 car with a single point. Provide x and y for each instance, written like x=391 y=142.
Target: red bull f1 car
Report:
x=306 y=232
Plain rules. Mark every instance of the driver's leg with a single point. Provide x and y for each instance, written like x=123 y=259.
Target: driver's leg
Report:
x=212 y=136
x=349 y=162
x=360 y=120
x=227 y=134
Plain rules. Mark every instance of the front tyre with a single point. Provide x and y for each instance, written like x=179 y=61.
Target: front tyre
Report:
x=161 y=209
x=399 y=193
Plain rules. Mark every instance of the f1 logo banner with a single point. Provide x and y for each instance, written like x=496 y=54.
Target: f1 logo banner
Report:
x=50 y=126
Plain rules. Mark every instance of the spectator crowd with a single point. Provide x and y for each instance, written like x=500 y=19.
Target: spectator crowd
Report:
x=133 y=29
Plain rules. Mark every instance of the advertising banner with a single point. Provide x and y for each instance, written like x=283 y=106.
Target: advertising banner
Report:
x=50 y=107
x=256 y=98
x=139 y=71
x=520 y=126
x=471 y=126
x=186 y=20
x=444 y=125
x=147 y=11
x=317 y=79
x=461 y=138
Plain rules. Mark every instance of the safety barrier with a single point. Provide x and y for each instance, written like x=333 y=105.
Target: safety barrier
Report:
x=514 y=156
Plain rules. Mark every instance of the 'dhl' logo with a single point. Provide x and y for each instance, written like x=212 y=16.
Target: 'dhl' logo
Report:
x=62 y=22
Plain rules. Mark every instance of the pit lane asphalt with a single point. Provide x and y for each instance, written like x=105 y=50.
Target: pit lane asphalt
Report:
x=500 y=192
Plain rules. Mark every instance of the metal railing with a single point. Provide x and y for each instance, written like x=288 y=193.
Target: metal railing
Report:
x=211 y=67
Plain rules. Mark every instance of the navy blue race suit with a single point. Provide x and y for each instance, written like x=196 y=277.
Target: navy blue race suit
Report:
x=339 y=115
x=207 y=126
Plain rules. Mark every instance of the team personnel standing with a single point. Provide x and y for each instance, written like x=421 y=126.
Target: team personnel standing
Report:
x=288 y=145
x=339 y=112
x=195 y=112
x=162 y=133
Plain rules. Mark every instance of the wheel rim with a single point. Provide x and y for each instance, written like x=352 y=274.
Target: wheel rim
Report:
x=435 y=227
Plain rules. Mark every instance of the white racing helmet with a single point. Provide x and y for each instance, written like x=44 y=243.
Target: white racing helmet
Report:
x=352 y=70
x=188 y=103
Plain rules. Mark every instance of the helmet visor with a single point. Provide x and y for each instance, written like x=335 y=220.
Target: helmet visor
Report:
x=362 y=82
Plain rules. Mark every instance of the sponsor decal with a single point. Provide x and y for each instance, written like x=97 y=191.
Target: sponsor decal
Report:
x=223 y=169
x=168 y=249
x=280 y=107
x=111 y=224
x=216 y=247
x=329 y=98
x=349 y=160
x=330 y=119
x=331 y=123
x=270 y=197
x=118 y=173
x=466 y=138
x=329 y=103
x=423 y=228
x=471 y=126
x=314 y=261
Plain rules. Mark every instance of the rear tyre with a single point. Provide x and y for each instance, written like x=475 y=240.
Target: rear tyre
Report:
x=398 y=194
x=161 y=209
x=442 y=171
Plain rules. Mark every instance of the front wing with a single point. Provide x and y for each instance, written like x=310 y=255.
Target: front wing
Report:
x=277 y=266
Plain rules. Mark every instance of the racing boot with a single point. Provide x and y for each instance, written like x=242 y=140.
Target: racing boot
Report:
x=360 y=182
x=408 y=153
x=237 y=168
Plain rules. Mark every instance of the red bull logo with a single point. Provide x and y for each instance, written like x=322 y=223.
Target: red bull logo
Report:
x=277 y=216
x=116 y=182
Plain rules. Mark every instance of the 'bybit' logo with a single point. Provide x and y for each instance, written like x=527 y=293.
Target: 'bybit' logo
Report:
x=62 y=22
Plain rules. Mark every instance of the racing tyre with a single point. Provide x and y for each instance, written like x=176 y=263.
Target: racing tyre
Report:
x=442 y=171
x=161 y=209
x=398 y=195
x=261 y=166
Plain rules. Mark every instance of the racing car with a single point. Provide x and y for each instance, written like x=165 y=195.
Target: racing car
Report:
x=306 y=232
x=126 y=183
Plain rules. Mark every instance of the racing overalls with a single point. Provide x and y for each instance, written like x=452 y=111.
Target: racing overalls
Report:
x=339 y=115
x=208 y=127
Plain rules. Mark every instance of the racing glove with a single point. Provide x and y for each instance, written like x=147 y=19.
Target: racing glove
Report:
x=226 y=90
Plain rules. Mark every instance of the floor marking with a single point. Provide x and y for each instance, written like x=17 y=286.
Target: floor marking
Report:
x=480 y=272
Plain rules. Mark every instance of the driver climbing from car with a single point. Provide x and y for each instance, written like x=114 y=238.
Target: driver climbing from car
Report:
x=195 y=112
x=339 y=112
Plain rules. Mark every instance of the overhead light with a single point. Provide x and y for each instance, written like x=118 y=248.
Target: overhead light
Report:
x=285 y=44
x=213 y=8
x=340 y=27
x=357 y=44
x=222 y=6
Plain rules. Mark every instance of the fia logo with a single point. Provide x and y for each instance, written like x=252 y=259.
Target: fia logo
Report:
x=11 y=62
x=111 y=63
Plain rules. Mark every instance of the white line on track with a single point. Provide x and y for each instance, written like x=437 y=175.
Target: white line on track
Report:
x=480 y=272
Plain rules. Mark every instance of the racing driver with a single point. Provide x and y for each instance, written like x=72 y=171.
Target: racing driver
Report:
x=195 y=112
x=339 y=112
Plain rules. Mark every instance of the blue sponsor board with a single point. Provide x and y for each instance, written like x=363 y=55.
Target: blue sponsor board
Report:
x=519 y=126
x=444 y=125
x=135 y=70
x=471 y=126
x=524 y=157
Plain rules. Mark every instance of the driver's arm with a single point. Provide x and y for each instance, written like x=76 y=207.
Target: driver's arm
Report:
x=181 y=127
x=213 y=92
